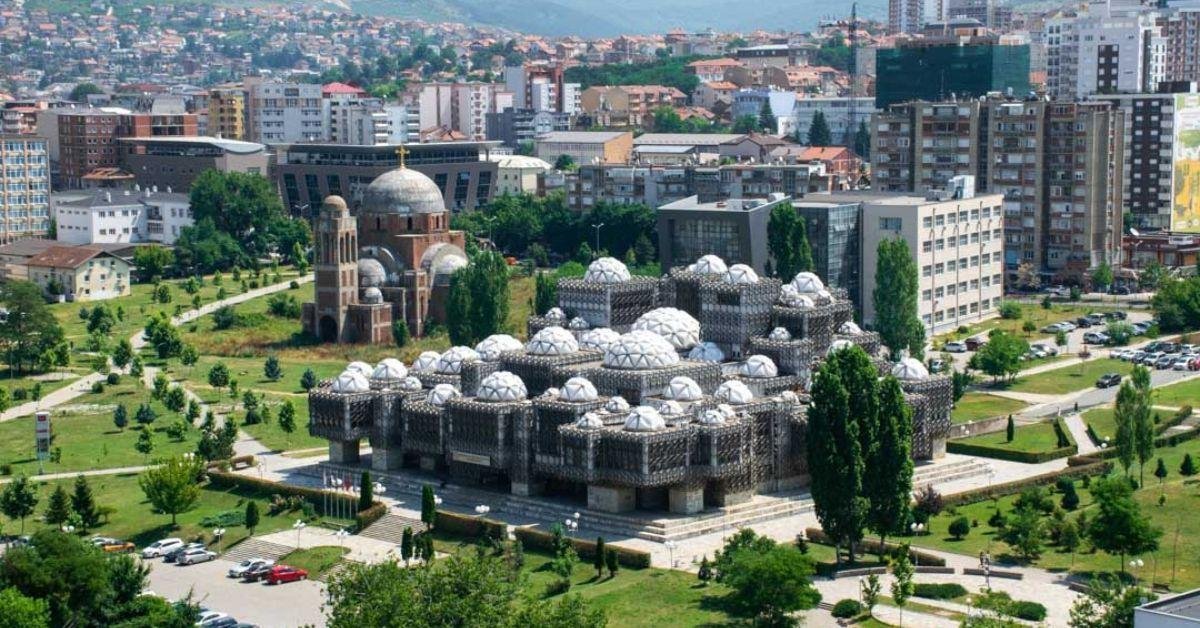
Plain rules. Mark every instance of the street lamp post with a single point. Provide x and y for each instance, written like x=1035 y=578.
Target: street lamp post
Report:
x=482 y=510
x=670 y=545
x=218 y=533
x=298 y=526
x=597 y=228
x=341 y=536
x=1135 y=565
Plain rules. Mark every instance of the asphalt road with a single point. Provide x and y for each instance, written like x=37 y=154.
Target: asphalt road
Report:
x=282 y=606
x=1099 y=396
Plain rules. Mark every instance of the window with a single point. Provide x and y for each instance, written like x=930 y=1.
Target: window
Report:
x=890 y=224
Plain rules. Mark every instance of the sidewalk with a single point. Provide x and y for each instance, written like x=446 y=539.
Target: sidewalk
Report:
x=56 y=398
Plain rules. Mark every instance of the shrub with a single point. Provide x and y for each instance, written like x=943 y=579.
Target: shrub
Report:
x=939 y=590
x=1029 y=611
x=960 y=528
x=97 y=387
x=1010 y=310
x=283 y=305
x=847 y=608
x=6 y=469
x=226 y=519
x=929 y=501
x=113 y=378
x=20 y=394
x=557 y=587
x=997 y=520
x=531 y=538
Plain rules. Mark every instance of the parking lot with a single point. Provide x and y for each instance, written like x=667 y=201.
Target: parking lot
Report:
x=284 y=606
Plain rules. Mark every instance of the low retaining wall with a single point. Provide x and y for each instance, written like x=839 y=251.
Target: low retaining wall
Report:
x=995 y=573
x=982 y=426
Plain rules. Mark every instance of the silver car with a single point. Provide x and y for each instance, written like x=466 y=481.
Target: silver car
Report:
x=240 y=569
x=197 y=555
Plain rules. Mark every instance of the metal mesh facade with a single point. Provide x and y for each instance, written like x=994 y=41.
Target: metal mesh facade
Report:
x=732 y=314
x=634 y=385
x=615 y=305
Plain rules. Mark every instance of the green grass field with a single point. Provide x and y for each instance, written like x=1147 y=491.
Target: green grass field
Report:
x=315 y=560
x=1102 y=421
x=977 y=406
x=1029 y=312
x=1032 y=438
x=1181 y=394
x=85 y=432
x=1069 y=378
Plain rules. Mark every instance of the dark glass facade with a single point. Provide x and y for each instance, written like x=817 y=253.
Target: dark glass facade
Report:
x=938 y=72
x=833 y=236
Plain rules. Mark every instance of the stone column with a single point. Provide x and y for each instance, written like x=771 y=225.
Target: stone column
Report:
x=611 y=498
x=686 y=500
x=529 y=489
x=386 y=459
x=343 y=451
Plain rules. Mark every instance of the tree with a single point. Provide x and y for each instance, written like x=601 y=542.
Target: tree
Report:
x=120 y=416
x=145 y=442
x=769 y=585
x=902 y=585
x=84 y=503
x=835 y=456
x=1028 y=277
x=889 y=483
x=1187 y=468
x=612 y=563
x=1001 y=356
x=152 y=261
x=400 y=333
x=818 y=131
x=428 y=506
x=30 y=329
x=803 y=251
x=745 y=124
x=1010 y=429
x=145 y=415
x=82 y=90
x=766 y=118
x=19 y=611
x=477 y=305
x=666 y=120
x=19 y=499
x=1152 y=276
x=123 y=353
x=202 y=247
x=271 y=369
x=565 y=162
x=781 y=229
x=1143 y=423
x=252 y=516
x=1102 y=277
x=959 y=528
x=247 y=208
x=171 y=487
x=287 y=417
x=545 y=294
x=1108 y=603
x=862 y=141
x=704 y=573
x=406 y=544
x=365 y=493
x=1119 y=527
x=58 y=508
x=1025 y=532
x=598 y=558
x=896 y=317
x=175 y=400
x=871 y=591
x=308 y=380
x=218 y=375
x=468 y=589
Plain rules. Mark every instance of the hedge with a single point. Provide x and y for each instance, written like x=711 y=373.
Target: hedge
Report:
x=939 y=591
x=1111 y=452
x=1077 y=467
x=533 y=538
x=871 y=546
x=1028 y=457
x=231 y=463
x=315 y=496
x=847 y=608
x=456 y=524
x=1175 y=419
x=366 y=517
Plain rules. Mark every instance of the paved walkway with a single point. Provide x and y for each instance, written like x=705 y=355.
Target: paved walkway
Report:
x=66 y=475
x=362 y=549
x=55 y=398
x=1078 y=429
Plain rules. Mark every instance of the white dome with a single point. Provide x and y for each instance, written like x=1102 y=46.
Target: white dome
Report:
x=707 y=352
x=411 y=383
x=758 y=366
x=390 y=368
x=807 y=283
x=727 y=410
x=447 y=265
x=838 y=345
x=490 y=348
x=555 y=314
x=824 y=294
x=452 y=360
x=780 y=333
x=683 y=388
x=578 y=324
x=402 y=191
x=640 y=350
x=789 y=296
x=442 y=393
x=734 y=392
x=551 y=393
x=678 y=327
x=709 y=265
x=578 y=389
x=606 y=270
x=371 y=273
x=910 y=369
x=670 y=407
x=372 y=296
x=644 y=419
x=426 y=362
x=350 y=382
x=617 y=404
x=789 y=396
x=552 y=341
x=589 y=421
x=598 y=339
x=501 y=386
x=740 y=274
x=849 y=328
x=361 y=368
x=712 y=416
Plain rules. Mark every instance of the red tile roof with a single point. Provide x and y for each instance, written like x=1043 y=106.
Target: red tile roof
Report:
x=340 y=88
x=65 y=256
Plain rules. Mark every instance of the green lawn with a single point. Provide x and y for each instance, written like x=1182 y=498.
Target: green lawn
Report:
x=50 y=382
x=1069 y=378
x=271 y=435
x=249 y=373
x=1029 y=312
x=135 y=520
x=1033 y=438
x=315 y=560
x=85 y=432
x=1177 y=514
x=1102 y=421
x=976 y=406
x=1181 y=394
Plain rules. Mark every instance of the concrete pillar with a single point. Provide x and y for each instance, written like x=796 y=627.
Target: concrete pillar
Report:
x=611 y=498
x=429 y=463
x=343 y=451
x=686 y=500
x=386 y=459
x=528 y=489
x=652 y=498
x=730 y=499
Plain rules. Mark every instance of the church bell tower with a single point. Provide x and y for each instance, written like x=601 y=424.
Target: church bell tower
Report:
x=336 y=270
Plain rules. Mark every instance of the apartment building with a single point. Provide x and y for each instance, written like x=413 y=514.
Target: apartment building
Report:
x=126 y=216
x=539 y=86
x=627 y=105
x=919 y=146
x=280 y=113
x=1180 y=26
x=461 y=107
x=514 y=127
x=957 y=243
x=1104 y=48
x=659 y=185
x=24 y=187
x=173 y=163
x=227 y=113
x=585 y=147
x=843 y=115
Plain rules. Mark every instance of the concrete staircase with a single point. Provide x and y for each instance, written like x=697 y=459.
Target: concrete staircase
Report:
x=256 y=548
x=390 y=528
x=945 y=472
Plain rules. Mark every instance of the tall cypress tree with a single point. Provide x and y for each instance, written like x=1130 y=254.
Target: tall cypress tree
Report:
x=488 y=280
x=895 y=297
x=428 y=506
x=58 y=509
x=835 y=459
x=818 y=131
x=766 y=118
x=889 y=483
x=458 y=309
x=781 y=230
x=802 y=251
x=84 y=503
x=1143 y=424
x=1125 y=415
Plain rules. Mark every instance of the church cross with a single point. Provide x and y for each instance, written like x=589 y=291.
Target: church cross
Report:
x=401 y=153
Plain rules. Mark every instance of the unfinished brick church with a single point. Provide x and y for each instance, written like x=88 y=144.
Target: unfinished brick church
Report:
x=679 y=393
x=388 y=259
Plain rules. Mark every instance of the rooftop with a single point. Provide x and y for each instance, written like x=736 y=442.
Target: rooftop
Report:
x=692 y=203
x=232 y=146
x=64 y=256
x=686 y=139
x=1185 y=606
x=581 y=137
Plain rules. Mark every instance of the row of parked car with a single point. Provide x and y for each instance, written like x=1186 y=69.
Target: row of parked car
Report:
x=1093 y=319
x=1163 y=355
x=255 y=569
x=174 y=550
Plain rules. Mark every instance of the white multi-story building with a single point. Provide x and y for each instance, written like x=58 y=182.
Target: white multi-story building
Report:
x=24 y=187
x=540 y=87
x=280 y=113
x=957 y=245
x=843 y=115
x=1108 y=48
x=461 y=107
x=367 y=124
x=116 y=216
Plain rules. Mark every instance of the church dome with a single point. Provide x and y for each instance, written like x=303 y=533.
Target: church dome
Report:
x=502 y=386
x=552 y=341
x=490 y=348
x=370 y=273
x=640 y=350
x=606 y=270
x=579 y=389
x=682 y=388
x=675 y=326
x=390 y=369
x=402 y=191
x=758 y=366
x=644 y=419
x=441 y=260
x=350 y=382
x=734 y=392
x=598 y=339
x=452 y=360
x=910 y=369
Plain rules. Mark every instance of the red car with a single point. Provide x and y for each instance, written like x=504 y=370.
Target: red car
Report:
x=284 y=573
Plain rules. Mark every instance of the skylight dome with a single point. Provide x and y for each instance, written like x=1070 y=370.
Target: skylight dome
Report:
x=426 y=362
x=758 y=366
x=389 y=369
x=644 y=419
x=350 y=382
x=598 y=339
x=640 y=350
x=683 y=388
x=579 y=389
x=490 y=348
x=606 y=270
x=707 y=352
x=552 y=341
x=676 y=326
x=709 y=265
x=740 y=274
x=734 y=392
x=502 y=386
x=452 y=360
x=442 y=393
